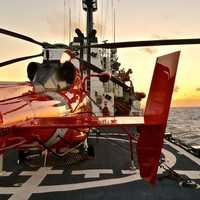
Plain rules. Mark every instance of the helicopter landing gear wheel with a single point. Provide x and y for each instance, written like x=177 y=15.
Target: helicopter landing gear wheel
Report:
x=91 y=151
x=21 y=157
x=87 y=154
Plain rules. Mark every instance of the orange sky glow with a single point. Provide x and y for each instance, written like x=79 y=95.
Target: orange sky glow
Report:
x=135 y=20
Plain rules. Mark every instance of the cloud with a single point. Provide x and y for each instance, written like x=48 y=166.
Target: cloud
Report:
x=176 y=88
x=55 y=24
x=198 y=89
x=152 y=50
x=149 y=50
x=157 y=36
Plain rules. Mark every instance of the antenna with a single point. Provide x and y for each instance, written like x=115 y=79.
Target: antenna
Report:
x=70 y=24
x=114 y=31
x=64 y=22
x=102 y=6
x=114 y=20
x=114 y=27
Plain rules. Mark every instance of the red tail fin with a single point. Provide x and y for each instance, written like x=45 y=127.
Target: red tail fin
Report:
x=156 y=112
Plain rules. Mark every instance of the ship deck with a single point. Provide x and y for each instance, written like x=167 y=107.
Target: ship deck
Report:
x=108 y=176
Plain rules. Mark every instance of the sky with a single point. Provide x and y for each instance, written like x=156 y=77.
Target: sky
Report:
x=135 y=20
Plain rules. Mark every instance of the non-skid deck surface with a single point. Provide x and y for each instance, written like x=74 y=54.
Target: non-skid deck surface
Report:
x=108 y=176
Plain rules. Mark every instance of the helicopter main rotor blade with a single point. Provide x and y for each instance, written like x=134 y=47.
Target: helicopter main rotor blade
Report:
x=145 y=43
x=8 y=62
x=98 y=70
x=20 y=36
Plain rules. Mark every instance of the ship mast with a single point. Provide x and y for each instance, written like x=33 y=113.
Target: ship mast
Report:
x=89 y=6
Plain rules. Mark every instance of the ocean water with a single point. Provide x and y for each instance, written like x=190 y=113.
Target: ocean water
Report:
x=184 y=124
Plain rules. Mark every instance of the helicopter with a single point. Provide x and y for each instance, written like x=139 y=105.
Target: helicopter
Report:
x=53 y=110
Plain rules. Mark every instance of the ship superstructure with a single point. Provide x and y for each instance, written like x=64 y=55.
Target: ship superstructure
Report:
x=108 y=99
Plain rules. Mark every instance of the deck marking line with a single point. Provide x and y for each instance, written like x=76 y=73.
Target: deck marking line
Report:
x=190 y=173
x=92 y=173
x=128 y=172
x=184 y=152
x=108 y=134
x=31 y=173
x=5 y=173
x=170 y=158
